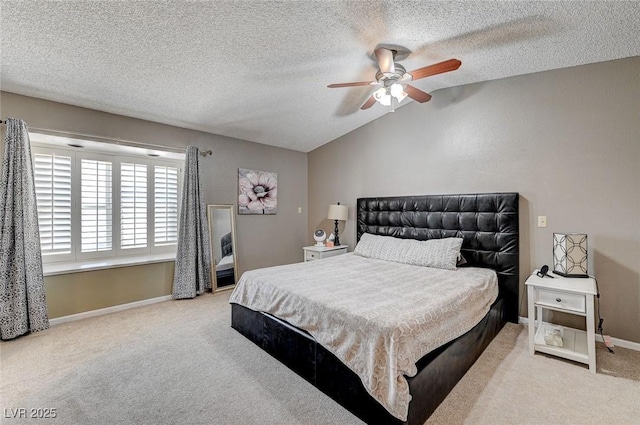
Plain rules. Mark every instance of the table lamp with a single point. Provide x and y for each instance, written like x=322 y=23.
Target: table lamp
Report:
x=570 y=254
x=337 y=212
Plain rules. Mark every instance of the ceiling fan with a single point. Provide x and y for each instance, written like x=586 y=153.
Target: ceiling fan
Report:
x=394 y=79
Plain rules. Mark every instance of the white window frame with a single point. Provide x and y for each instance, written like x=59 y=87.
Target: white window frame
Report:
x=117 y=256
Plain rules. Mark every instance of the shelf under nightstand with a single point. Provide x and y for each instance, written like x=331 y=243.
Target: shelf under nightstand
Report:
x=575 y=344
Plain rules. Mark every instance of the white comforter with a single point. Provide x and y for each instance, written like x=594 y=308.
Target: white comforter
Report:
x=225 y=263
x=376 y=316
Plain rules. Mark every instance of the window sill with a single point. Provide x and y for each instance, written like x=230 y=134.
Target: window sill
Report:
x=52 y=269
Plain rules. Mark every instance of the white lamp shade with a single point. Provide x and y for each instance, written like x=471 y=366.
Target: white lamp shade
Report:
x=396 y=90
x=338 y=212
x=379 y=93
x=402 y=96
x=382 y=96
x=570 y=254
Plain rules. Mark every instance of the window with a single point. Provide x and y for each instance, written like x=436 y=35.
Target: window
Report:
x=133 y=205
x=94 y=204
x=165 y=205
x=52 y=172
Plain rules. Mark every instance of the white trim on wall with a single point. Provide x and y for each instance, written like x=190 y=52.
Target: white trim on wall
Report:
x=616 y=341
x=621 y=343
x=108 y=310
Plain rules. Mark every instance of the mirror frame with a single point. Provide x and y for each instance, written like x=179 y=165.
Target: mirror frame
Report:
x=214 y=279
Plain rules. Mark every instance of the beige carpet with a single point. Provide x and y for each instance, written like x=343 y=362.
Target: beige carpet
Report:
x=180 y=362
x=508 y=386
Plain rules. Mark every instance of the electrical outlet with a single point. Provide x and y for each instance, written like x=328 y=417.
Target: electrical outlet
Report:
x=299 y=210
x=542 y=221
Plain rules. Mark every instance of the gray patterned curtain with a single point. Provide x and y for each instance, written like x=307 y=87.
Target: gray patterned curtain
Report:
x=23 y=307
x=192 y=274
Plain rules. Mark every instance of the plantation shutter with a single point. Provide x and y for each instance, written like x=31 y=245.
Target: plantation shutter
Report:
x=53 y=196
x=165 y=205
x=96 y=206
x=133 y=205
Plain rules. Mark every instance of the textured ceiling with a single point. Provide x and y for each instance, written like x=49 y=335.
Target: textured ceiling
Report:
x=258 y=70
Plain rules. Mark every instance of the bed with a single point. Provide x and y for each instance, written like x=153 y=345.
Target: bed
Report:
x=488 y=224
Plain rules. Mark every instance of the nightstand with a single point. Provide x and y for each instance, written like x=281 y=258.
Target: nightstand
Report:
x=568 y=295
x=319 y=252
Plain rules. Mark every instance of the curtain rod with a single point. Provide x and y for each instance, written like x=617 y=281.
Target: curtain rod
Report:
x=116 y=141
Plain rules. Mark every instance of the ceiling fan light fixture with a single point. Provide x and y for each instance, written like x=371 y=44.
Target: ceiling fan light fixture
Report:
x=396 y=90
x=382 y=96
x=385 y=100
x=401 y=96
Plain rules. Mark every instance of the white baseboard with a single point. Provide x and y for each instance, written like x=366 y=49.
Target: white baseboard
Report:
x=107 y=310
x=621 y=343
x=616 y=341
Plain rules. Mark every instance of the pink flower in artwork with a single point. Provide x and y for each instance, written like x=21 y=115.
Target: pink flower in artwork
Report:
x=258 y=191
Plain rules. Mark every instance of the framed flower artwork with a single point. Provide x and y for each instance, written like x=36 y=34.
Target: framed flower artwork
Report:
x=257 y=192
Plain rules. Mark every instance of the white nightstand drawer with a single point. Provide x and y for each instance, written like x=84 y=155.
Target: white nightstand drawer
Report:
x=561 y=300
x=311 y=255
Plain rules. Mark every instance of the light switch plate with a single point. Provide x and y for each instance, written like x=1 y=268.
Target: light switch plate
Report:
x=542 y=221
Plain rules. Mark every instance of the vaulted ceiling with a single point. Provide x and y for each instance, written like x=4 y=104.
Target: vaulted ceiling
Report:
x=259 y=70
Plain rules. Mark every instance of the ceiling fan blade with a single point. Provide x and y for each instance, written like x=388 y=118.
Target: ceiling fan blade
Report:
x=438 y=68
x=417 y=94
x=369 y=103
x=359 y=83
x=385 y=60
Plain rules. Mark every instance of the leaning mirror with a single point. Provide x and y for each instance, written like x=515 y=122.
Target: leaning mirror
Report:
x=222 y=231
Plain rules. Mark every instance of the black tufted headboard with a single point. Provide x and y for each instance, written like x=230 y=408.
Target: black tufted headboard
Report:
x=488 y=222
x=226 y=244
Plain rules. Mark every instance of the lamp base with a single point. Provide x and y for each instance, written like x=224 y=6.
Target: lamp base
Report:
x=571 y=275
x=336 y=240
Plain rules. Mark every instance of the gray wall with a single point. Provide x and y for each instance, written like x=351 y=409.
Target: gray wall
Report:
x=567 y=140
x=262 y=240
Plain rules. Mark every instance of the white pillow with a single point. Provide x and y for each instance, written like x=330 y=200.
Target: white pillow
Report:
x=439 y=253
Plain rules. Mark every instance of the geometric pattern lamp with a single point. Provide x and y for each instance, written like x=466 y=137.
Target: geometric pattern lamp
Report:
x=570 y=254
x=337 y=212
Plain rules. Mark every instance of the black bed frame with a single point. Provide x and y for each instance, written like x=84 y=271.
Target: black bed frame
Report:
x=488 y=223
